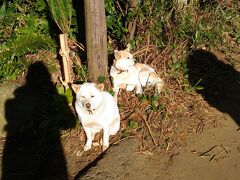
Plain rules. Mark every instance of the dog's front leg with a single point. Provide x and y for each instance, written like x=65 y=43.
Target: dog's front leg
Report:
x=116 y=90
x=139 y=89
x=105 y=139
x=88 y=144
x=129 y=87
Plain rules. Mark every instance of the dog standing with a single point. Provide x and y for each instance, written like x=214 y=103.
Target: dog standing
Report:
x=97 y=110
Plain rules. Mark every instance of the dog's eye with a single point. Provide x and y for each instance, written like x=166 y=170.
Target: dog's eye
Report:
x=83 y=97
x=92 y=96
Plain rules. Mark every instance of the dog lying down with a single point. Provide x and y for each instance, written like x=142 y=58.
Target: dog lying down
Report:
x=128 y=75
x=97 y=110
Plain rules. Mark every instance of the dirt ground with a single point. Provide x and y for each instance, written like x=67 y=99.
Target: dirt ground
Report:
x=213 y=154
x=208 y=149
x=200 y=138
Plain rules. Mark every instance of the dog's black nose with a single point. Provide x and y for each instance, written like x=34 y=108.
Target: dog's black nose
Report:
x=88 y=105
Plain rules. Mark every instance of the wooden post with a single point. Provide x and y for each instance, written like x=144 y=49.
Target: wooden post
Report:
x=67 y=64
x=96 y=38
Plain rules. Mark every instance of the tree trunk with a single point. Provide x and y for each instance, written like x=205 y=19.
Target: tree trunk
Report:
x=96 y=38
x=132 y=24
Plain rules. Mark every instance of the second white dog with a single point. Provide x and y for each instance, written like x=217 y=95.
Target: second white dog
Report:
x=128 y=75
x=97 y=110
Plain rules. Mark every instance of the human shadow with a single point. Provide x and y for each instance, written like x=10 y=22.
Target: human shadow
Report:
x=35 y=117
x=220 y=82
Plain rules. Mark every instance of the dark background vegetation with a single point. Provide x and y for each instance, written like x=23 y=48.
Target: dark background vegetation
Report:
x=27 y=27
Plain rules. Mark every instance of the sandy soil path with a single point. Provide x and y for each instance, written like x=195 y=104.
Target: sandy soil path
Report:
x=212 y=155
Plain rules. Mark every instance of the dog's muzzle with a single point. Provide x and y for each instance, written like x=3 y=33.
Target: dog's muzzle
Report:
x=88 y=108
x=88 y=105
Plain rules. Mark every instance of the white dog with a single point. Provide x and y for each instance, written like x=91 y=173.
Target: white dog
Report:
x=128 y=75
x=127 y=79
x=97 y=110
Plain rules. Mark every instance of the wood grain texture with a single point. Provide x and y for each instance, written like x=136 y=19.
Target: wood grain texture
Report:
x=96 y=38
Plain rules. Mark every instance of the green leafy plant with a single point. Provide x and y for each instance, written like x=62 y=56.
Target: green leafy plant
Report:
x=11 y=57
x=115 y=20
x=81 y=72
x=61 y=11
x=133 y=124
x=2 y=12
x=24 y=30
x=153 y=102
x=67 y=93
x=101 y=79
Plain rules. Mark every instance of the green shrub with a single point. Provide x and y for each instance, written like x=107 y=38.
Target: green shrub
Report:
x=24 y=30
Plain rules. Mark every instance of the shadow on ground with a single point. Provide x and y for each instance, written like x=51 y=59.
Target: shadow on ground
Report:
x=35 y=117
x=220 y=82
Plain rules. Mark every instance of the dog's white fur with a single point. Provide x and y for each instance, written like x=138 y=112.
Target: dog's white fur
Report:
x=128 y=75
x=97 y=110
x=128 y=80
x=149 y=77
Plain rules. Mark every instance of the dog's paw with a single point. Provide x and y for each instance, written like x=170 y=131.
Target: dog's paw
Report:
x=129 y=88
x=79 y=153
x=139 y=92
x=87 y=147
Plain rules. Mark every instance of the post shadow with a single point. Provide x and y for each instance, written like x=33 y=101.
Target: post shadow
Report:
x=220 y=82
x=80 y=18
x=81 y=33
x=35 y=117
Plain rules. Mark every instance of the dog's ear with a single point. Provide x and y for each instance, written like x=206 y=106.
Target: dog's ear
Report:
x=128 y=47
x=75 y=87
x=117 y=54
x=100 y=86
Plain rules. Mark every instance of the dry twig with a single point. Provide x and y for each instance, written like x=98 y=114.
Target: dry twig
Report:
x=149 y=128
x=205 y=153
